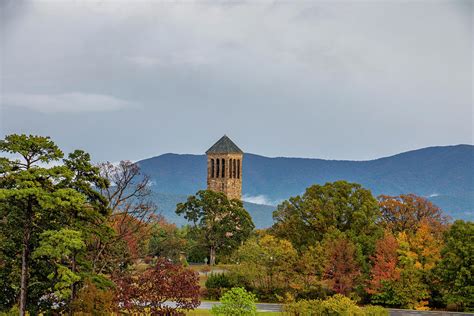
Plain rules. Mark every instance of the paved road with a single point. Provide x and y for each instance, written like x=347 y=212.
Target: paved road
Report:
x=267 y=307
x=402 y=312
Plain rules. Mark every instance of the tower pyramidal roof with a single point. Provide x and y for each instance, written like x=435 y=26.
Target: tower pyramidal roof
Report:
x=224 y=146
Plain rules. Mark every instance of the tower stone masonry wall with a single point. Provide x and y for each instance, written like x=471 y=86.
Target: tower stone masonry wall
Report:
x=229 y=183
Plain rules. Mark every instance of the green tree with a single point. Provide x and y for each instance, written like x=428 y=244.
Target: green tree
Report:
x=267 y=263
x=223 y=224
x=36 y=197
x=27 y=191
x=236 y=302
x=167 y=240
x=60 y=247
x=456 y=268
x=309 y=269
x=347 y=207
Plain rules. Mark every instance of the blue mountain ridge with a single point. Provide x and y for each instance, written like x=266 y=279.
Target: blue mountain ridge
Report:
x=443 y=174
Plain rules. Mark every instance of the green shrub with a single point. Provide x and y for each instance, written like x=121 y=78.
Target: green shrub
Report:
x=371 y=310
x=340 y=305
x=335 y=305
x=14 y=311
x=301 y=307
x=218 y=280
x=91 y=298
x=236 y=302
x=217 y=284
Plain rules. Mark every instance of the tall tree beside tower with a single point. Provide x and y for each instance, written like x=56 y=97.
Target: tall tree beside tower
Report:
x=217 y=213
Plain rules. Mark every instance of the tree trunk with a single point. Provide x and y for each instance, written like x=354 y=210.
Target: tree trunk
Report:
x=25 y=255
x=73 y=287
x=212 y=256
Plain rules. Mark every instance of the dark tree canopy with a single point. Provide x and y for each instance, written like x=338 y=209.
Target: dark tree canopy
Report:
x=456 y=269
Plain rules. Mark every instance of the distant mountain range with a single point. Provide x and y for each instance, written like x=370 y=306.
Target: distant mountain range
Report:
x=445 y=175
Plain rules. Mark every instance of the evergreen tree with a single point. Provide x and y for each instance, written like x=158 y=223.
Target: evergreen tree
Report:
x=44 y=206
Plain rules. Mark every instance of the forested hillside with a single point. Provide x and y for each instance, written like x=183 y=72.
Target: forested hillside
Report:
x=443 y=174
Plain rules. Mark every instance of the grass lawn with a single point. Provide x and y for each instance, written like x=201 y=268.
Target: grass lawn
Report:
x=204 y=312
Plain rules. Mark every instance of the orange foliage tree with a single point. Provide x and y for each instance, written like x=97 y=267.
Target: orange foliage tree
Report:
x=405 y=213
x=384 y=262
x=342 y=269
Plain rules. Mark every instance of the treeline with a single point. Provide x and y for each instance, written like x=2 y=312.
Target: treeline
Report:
x=78 y=237
x=394 y=251
x=338 y=239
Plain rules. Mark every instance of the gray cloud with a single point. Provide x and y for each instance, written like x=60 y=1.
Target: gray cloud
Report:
x=346 y=80
x=67 y=102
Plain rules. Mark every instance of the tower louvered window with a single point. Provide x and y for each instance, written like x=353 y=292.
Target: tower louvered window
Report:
x=212 y=168
x=223 y=168
x=238 y=168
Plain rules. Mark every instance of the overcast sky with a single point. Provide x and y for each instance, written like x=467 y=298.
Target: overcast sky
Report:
x=340 y=80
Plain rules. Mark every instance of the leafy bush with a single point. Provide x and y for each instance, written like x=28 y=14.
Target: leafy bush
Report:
x=371 y=310
x=218 y=280
x=335 y=305
x=92 y=298
x=236 y=302
x=14 y=311
x=340 y=305
x=301 y=307
x=217 y=284
x=158 y=285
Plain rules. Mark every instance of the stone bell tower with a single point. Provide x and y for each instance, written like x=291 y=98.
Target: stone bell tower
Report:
x=224 y=168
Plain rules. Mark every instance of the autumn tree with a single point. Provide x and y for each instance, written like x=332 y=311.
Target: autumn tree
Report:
x=132 y=211
x=340 y=205
x=401 y=273
x=94 y=298
x=384 y=264
x=456 y=268
x=167 y=240
x=266 y=263
x=342 y=269
x=153 y=289
x=222 y=224
x=309 y=270
x=426 y=243
x=411 y=290
x=405 y=213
